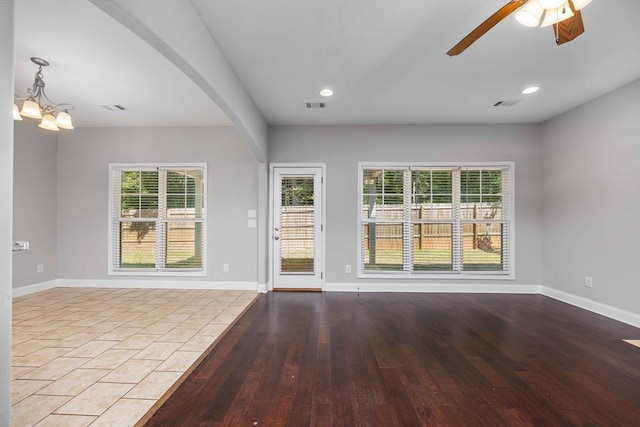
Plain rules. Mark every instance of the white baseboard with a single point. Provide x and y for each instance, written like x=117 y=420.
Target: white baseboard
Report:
x=615 y=313
x=157 y=284
x=433 y=287
x=587 y=304
x=36 y=287
x=130 y=284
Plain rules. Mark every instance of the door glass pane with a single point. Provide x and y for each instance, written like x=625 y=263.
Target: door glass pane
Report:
x=297 y=225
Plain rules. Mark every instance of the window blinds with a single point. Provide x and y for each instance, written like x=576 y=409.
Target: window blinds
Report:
x=426 y=219
x=157 y=218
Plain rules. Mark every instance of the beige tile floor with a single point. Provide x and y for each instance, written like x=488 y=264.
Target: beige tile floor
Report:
x=103 y=357
x=633 y=342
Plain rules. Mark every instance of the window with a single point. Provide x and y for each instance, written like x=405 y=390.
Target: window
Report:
x=157 y=219
x=422 y=220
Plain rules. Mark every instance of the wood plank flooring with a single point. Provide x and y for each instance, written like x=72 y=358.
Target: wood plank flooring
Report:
x=394 y=359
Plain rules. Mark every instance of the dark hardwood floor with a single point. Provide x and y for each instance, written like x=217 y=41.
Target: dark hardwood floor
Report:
x=397 y=359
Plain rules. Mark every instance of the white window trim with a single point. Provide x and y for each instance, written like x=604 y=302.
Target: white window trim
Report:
x=173 y=273
x=453 y=275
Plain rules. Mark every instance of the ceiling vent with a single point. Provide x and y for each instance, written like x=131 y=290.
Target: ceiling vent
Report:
x=505 y=103
x=116 y=107
x=311 y=105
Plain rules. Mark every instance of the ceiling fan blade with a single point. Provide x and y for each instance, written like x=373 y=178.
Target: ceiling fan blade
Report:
x=474 y=35
x=569 y=29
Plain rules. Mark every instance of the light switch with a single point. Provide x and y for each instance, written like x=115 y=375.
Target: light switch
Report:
x=252 y=223
x=20 y=245
x=251 y=213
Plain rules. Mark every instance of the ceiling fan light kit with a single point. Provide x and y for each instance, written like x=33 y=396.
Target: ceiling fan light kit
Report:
x=579 y=4
x=530 y=14
x=37 y=104
x=555 y=16
x=551 y=4
x=564 y=15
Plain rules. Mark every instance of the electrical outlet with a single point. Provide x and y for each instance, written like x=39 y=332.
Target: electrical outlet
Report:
x=40 y=268
x=347 y=268
x=225 y=268
x=588 y=281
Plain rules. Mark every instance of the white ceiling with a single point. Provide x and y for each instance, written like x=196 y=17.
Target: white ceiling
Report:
x=386 y=62
x=95 y=61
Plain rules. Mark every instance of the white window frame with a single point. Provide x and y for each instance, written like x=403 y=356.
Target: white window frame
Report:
x=115 y=168
x=508 y=214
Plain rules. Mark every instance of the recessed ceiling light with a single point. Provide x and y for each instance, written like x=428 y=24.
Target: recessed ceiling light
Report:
x=326 y=92
x=531 y=89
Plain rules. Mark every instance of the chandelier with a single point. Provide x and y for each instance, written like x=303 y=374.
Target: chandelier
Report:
x=37 y=104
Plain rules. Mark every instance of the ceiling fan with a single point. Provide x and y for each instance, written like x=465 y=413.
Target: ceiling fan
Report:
x=564 y=15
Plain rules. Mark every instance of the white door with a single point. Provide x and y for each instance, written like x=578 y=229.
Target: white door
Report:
x=297 y=228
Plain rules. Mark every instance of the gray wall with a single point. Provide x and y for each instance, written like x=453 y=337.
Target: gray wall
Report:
x=176 y=30
x=341 y=148
x=591 y=203
x=83 y=178
x=34 y=202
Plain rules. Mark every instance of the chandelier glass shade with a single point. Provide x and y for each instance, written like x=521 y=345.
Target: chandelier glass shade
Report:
x=37 y=105
x=16 y=113
x=543 y=13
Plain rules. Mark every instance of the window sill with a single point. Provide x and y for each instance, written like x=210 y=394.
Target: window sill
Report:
x=437 y=276
x=177 y=273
